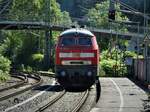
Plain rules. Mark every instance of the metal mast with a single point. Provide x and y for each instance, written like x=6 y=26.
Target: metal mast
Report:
x=47 y=35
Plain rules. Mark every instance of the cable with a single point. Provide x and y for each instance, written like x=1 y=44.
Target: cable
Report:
x=132 y=10
x=3 y=2
x=35 y=34
x=124 y=4
x=5 y=6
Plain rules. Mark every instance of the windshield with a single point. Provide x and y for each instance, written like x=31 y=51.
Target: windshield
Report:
x=68 y=41
x=83 y=41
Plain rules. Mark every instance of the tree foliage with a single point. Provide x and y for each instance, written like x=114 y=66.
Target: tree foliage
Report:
x=113 y=64
x=4 y=68
x=37 y=10
x=11 y=45
x=98 y=16
x=19 y=46
x=4 y=64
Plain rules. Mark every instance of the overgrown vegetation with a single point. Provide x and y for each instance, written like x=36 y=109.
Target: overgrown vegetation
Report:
x=130 y=54
x=36 y=61
x=4 y=68
x=113 y=63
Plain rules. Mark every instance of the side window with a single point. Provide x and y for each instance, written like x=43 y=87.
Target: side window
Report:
x=66 y=41
x=84 y=41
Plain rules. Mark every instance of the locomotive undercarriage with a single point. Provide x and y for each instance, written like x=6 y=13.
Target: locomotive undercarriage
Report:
x=76 y=76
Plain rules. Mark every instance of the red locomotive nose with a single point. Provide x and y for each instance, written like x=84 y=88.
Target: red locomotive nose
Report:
x=81 y=47
x=77 y=56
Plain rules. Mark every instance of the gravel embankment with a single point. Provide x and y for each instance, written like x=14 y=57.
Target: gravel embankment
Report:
x=66 y=103
x=33 y=99
x=12 y=81
x=26 y=95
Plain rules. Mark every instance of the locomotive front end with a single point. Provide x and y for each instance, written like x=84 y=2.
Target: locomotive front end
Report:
x=77 y=57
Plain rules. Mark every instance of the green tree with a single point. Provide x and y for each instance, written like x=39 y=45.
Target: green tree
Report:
x=10 y=45
x=35 y=10
x=98 y=17
x=19 y=46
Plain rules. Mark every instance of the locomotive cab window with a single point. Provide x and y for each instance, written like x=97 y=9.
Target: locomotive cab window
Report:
x=66 y=41
x=85 y=41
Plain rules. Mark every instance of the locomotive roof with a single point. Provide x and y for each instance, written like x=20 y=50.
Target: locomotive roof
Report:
x=77 y=31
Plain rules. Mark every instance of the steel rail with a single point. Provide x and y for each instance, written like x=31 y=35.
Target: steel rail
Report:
x=51 y=102
x=45 y=73
x=81 y=102
x=23 y=80
x=38 y=81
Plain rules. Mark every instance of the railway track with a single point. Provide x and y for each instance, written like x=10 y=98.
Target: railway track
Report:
x=56 y=98
x=30 y=99
x=51 y=102
x=81 y=102
x=23 y=79
x=29 y=82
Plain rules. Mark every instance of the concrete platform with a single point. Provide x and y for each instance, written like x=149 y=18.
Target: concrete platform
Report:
x=120 y=95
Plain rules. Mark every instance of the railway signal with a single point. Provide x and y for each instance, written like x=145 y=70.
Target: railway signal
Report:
x=111 y=14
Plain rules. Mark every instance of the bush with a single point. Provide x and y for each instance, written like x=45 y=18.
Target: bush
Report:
x=4 y=68
x=109 y=65
x=108 y=68
x=36 y=60
x=4 y=76
x=4 y=64
x=102 y=72
x=129 y=54
x=37 y=57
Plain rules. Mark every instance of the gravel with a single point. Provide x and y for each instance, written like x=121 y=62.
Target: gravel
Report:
x=90 y=102
x=24 y=96
x=16 y=89
x=146 y=106
x=12 y=81
x=66 y=103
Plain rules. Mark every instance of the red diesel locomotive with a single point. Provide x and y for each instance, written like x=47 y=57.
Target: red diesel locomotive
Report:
x=77 y=58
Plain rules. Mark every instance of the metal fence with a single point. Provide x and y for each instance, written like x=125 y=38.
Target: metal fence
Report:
x=142 y=70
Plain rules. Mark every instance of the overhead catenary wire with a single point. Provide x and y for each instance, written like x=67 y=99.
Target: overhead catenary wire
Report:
x=3 y=2
x=126 y=5
x=127 y=24
x=131 y=10
x=5 y=7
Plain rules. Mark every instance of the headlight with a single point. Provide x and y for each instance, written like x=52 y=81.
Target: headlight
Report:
x=63 y=73
x=89 y=73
